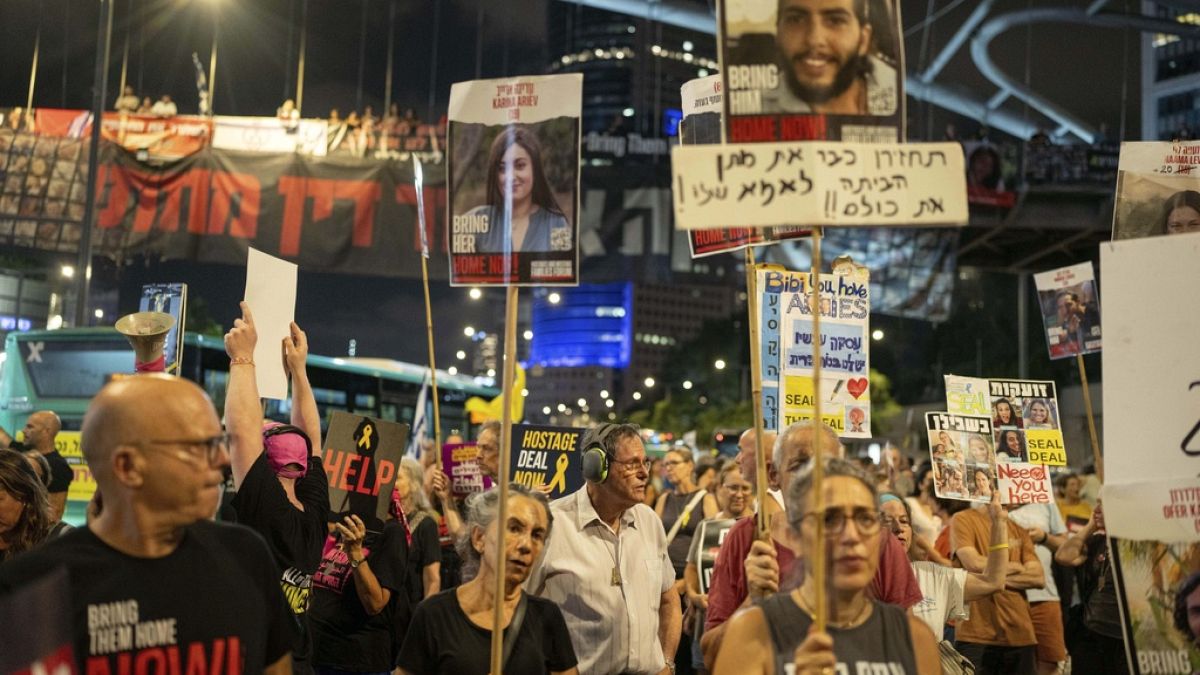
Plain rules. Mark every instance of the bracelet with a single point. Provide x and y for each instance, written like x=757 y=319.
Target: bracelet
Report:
x=241 y=361
x=998 y=547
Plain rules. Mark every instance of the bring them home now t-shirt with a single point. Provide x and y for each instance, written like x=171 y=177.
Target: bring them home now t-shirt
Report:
x=211 y=606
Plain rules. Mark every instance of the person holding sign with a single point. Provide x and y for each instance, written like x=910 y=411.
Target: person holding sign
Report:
x=864 y=634
x=1095 y=636
x=451 y=633
x=606 y=564
x=947 y=590
x=515 y=168
x=282 y=490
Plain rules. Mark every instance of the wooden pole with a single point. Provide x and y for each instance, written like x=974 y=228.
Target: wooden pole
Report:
x=437 y=417
x=510 y=361
x=37 y=50
x=821 y=608
x=1091 y=419
x=212 y=62
x=300 y=65
x=762 y=523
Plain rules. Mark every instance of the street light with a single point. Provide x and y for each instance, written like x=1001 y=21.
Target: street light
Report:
x=608 y=402
x=491 y=372
x=649 y=382
x=475 y=293
x=469 y=331
x=581 y=403
x=562 y=407
x=687 y=384
x=546 y=410
x=637 y=395
x=452 y=370
x=67 y=271
x=877 y=334
x=719 y=364
x=603 y=393
x=554 y=298
x=528 y=334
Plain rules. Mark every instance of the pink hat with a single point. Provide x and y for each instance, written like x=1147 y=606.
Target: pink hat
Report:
x=284 y=445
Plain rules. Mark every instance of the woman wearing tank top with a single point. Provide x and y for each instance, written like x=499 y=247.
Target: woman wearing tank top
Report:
x=680 y=505
x=774 y=638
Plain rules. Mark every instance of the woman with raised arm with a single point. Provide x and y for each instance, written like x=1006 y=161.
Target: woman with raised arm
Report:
x=863 y=635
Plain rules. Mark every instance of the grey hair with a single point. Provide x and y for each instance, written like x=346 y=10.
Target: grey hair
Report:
x=783 y=439
x=490 y=425
x=416 y=479
x=802 y=484
x=481 y=509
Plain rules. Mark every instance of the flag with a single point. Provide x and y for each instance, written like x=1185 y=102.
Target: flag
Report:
x=420 y=423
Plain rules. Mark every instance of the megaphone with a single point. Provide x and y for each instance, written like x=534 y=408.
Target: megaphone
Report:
x=147 y=334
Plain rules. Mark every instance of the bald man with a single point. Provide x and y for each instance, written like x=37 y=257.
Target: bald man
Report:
x=154 y=582
x=41 y=429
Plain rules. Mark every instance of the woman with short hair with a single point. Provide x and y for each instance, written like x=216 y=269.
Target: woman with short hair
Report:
x=863 y=635
x=451 y=632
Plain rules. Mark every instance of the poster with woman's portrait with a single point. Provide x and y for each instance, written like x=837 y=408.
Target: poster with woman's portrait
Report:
x=1024 y=416
x=1070 y=310
x=513 y=173
x=964 y=460
x=1158 y=189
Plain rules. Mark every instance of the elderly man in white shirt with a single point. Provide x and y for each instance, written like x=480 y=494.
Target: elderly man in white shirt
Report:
x=606 y=563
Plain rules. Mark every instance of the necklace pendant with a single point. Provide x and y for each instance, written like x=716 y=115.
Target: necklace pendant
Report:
x=616 y=576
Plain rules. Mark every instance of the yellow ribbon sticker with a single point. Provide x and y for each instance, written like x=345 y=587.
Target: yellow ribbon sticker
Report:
x=560 y=476
x=365 y=440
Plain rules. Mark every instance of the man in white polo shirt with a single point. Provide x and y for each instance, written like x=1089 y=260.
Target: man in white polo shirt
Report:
x=606 y=563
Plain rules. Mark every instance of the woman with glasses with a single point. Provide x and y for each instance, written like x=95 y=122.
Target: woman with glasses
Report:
x=947 y=590
x=862 y=635
x=736 y=499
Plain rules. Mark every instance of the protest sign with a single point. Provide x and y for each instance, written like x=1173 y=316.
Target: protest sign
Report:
x=1164 y=510
x=1156 y=593
x=168 y=299
x=710 y=534
x=964 y=463
x=1024 y=414
x=1024 y=483
x=1151 y=363
x=818 y=183
x=271 y=295
x=701 y=125
x=775 y=93
x=1070 y=310
x=1158 y=189
x=361 y=457
x=770 y=317
x=845 y=306
x=513 y=173
x=460 y=461
x=547 y=455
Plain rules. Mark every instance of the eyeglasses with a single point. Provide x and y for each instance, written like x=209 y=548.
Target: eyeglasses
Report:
x=866 y=520
x=673 y=462
x=893 y=523
x=213 y=448
x=739 y=488
x=632 y=465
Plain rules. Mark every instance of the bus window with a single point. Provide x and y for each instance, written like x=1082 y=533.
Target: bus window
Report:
x=365 y=403
x=74 y=369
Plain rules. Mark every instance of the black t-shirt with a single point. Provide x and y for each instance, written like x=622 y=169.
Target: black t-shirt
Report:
x=212 y=605
x=424 y=551
x=442 y=639
x=61 y=473
x=344 y=635
x=296 y=537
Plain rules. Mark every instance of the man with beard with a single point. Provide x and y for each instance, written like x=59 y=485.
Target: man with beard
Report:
x=825 y=64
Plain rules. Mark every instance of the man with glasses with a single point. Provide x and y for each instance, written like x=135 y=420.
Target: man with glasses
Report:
x=282 y=489
x=606 y=566
x=747 y=569
x=153 y=581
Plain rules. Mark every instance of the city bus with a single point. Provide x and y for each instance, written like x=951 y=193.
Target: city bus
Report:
x=61 y=370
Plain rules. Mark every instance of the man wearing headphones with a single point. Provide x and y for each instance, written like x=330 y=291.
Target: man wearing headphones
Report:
x=606 y=566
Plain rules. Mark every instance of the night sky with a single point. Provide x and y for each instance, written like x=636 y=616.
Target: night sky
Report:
x=1080 y=68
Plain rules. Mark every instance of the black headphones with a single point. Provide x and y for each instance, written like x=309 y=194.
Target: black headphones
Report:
x=595 y=455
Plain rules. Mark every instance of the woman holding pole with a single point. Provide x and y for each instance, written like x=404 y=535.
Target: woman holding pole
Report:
x=862 y=634
x=451 y=632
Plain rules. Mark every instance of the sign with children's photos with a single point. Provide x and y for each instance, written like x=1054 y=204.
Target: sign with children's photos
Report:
x=1024 y=413
x=963 y=455
x=845 y=306
x=1070 y=310
x=778 y=89
x=513 y=174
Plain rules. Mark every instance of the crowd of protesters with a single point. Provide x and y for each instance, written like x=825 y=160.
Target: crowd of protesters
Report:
x=614 y=578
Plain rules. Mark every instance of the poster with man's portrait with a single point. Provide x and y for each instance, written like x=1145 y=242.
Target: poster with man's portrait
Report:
x=798 y=70
x=1070 y=310
x=1159 y=593
x=513 y=173
x=1158 y=189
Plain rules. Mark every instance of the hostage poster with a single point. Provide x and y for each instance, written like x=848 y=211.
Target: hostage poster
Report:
x=1158 y=190
x=513 y=174
x=1157 y=585
x=845 y=306
x=781 y=88
x=460 y=461
x=1070 y=310
x=1024 y=413
x=701 y=125
x=964 y=460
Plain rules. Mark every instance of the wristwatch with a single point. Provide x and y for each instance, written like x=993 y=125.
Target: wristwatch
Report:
x=355 y=563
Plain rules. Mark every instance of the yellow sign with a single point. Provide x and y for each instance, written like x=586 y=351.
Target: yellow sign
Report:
x=1045 y=446
x=83 y=485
